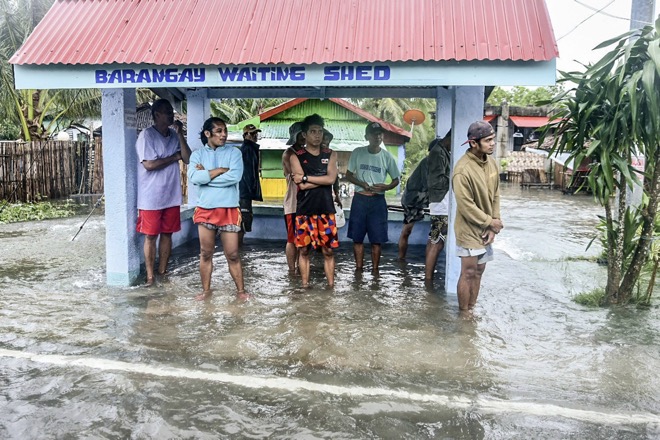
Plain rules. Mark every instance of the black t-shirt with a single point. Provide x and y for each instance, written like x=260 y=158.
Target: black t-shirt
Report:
x=316 y=200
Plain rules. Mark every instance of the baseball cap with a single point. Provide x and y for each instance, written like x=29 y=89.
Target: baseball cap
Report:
x=479 y=130
x=373 y=127
x=294 y=130
x=249 y=128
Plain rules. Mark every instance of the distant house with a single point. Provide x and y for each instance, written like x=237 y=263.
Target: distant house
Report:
x=143 y=119
x=344 y=120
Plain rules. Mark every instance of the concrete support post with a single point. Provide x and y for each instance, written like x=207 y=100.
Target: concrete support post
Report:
x=199 y=110
x=443 y=109
x=502 y=133
x=467 y=107
x=120 y=180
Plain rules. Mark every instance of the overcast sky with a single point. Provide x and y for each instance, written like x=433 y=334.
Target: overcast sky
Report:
x=576 y=39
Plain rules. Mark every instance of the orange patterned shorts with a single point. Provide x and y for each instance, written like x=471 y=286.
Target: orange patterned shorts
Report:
x=316 y=230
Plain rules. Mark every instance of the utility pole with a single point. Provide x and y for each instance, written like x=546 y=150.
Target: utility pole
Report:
x=642 y=13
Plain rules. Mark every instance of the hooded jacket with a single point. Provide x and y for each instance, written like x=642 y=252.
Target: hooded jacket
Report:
x=476 y=187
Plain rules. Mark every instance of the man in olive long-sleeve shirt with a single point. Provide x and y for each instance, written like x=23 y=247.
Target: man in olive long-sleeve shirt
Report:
x=476 y=186
x=438 y=185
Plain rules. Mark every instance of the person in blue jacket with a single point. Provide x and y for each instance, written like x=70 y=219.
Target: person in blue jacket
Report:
x=216 y=170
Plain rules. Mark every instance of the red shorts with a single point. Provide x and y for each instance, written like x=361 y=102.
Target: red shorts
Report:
x=227 y=219
x=316 y=230
x=290 y=221
x=159 y=221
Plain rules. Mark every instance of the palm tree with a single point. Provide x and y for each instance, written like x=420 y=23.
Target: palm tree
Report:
x=29 y=109
x=236 y=110
x=612 y=115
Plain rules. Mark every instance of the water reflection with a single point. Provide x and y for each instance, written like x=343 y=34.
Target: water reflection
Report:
x=377 y=357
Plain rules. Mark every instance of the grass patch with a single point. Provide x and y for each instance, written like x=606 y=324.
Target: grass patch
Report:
x=591 y=259
x=593 y=298
x=23 y=212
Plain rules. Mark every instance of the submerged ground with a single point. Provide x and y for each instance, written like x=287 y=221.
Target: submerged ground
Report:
x=374 y=358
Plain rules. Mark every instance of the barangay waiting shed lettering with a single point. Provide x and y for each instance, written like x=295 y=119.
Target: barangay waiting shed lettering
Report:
x=243 y=74
x=378 y=75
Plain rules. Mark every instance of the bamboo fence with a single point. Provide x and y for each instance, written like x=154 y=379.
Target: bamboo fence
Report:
x=32 y=171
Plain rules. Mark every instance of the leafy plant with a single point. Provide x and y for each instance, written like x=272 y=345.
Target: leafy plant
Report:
x=609 y=117
x=22 y=212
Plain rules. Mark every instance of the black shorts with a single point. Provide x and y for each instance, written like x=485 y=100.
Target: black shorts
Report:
x=246 y=214
x=414 y=211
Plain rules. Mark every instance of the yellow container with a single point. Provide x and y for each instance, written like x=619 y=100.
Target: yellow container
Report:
x=273 y=188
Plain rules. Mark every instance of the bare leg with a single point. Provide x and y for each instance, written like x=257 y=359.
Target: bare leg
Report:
x=303 y=265
x=241 y=234
x=291 y=257
x=403 y=239
x=206 y=249
x=329 y=265
x=358 y=252
x=230 y=248
x=164 y=252
x=150 y=257
x=476 y=285
x=375 y=257
x=469 y=282
x=432 y=252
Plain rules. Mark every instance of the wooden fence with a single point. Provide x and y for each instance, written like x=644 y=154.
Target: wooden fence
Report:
x=31 y=171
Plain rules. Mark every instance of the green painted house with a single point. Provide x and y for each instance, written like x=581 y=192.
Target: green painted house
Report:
x=344 y=120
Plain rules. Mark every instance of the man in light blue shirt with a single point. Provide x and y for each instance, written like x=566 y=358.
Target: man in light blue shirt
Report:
x=368 y=169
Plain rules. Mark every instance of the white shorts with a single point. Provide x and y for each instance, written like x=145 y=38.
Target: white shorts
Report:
x=485 y=254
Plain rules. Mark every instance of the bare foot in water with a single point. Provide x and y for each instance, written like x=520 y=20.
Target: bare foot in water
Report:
x=204 y=295
x=243 y=296
x=149 y=282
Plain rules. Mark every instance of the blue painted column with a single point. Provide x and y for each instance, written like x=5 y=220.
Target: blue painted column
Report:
x=467 y=107
x=444 y=106
x=199 y=110
x=122 y=249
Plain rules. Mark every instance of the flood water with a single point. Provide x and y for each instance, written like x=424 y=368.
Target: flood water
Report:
x=374 y=358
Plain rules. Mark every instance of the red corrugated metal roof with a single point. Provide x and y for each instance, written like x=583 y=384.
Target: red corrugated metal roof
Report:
x=216 y=32
x=347 y=105
x=529 y=121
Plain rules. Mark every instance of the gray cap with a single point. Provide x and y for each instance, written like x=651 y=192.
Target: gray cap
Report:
x=294 y=130
x=479 y=130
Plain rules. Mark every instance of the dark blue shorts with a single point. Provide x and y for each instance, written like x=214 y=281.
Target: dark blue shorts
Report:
x=368 y=216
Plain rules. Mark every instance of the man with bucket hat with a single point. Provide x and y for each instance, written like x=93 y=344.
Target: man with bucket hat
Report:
x=476 y=186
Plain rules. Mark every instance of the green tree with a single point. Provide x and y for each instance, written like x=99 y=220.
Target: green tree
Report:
x=234 y=111
x=30 y=109
x=611 y=115
x=523 y=96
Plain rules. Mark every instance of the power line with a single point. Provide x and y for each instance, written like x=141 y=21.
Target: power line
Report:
x=582 y=22
x=601 y=12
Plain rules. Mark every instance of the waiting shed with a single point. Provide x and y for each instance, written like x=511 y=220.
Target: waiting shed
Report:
x=443 y=49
